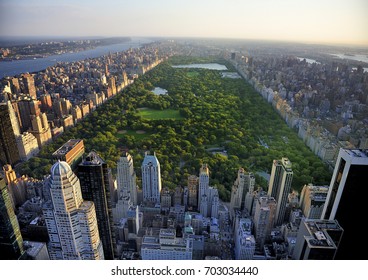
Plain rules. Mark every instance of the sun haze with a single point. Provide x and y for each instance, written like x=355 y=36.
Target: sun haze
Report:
x=312 y=21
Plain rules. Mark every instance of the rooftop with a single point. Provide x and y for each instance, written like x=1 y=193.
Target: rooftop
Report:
x=64 y=149
x=319 y=229
x=357 y=153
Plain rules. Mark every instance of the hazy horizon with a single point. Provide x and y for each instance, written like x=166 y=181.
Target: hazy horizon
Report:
x=325 y=22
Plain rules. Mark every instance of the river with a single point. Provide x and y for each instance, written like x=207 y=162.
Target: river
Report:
x=17 y=67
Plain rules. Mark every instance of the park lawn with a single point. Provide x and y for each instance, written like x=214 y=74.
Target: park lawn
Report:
x=153 y=114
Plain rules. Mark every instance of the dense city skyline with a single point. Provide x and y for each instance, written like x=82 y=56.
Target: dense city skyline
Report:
x=328 y=22
x=141 y=137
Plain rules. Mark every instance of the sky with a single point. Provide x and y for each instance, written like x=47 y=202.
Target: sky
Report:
x=307 y=21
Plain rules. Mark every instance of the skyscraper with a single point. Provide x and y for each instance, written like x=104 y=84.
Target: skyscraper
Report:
x=348 y=185
x=264 y=218
x=204 y=183
x=11 y=241
x=280 y=186
x=41 y=129
x=94 y=181
x=242 y=191
x=9 y=130
x=126 y=178
x=237 y=191
x=29 y=85
x=151 y=178
x=193 y=191
x=71 y=222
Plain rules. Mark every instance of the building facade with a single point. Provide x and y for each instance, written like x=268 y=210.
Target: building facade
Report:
x=280 y=186
x=245 y=243
x=312 y=200
x=93 y=174
x=71 y=222
x=151 y=178
x=11 y=241
x=348 y=183
x=9 y=130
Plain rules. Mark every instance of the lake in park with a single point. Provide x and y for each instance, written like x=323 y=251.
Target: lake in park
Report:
x=209 y=66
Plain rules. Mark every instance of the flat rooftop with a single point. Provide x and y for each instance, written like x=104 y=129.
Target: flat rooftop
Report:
x=319 y=233
x=357 y=153
x=64 y=149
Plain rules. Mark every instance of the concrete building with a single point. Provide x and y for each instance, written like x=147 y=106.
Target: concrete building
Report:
x=41 y=129
x=126 y=187
x=27 y=146
x=193 y=191
x=204 y=183
x=237 y=191
x=71 y=222
x=245 y=243
x=312 y=200
x=280 y=186
x=36 y=250
x=29 y=85
x=71 y=152
x=151 y=178
x=264 y=218
x=317 y=240
x=242 y=191
x=166 y=247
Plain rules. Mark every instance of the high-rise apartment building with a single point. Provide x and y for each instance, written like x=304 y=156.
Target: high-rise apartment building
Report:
x=264 y=218
x=11 y=241
x=193 y=191
x=312 y=200
x=9 y=130
x=24 y=112
x=348 y=184
x=242 y=191
x=27 y=146
x=71 y=222
x=237 y=191
x=280 y=186
x=204 y=183
x=41 y=129
x=29 y=85
x=126 y=178
x=151 y=178
x=93 y=174
x=126 y=187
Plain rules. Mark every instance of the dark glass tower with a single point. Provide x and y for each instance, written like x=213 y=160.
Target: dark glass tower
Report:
x=11 y=241
x=9 y=128
x=280 y=186
x=94 y=180
x=344 y=202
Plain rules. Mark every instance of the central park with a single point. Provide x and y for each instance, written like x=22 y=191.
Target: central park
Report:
x=206 y=116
